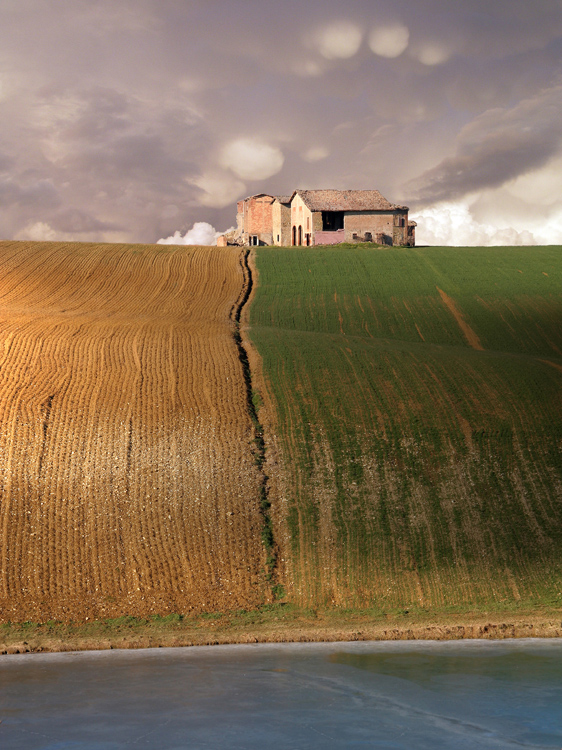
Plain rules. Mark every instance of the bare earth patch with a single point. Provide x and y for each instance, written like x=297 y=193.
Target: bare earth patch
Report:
x=128 y=482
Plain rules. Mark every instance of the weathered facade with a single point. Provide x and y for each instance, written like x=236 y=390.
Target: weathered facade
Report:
x=321 y=217
x=255 y=219
x=282 y=221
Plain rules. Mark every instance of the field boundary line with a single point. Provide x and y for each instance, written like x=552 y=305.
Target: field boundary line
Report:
x=236 y=314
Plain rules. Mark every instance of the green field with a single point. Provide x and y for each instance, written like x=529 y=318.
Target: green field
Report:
x=418 y=405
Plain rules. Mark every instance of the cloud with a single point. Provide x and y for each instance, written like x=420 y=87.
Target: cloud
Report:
x=496 y=147
x=432 y=53
x=252 y=159
x=39 y=195
x=389 y=41
x=219 y=189
x=338 y=40
x=451 y=224
x=200 y=234
x=123 y=111
x=75 y=221
x=40 y=231
x=315 y=153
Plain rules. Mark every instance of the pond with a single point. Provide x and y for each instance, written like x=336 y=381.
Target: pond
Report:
x=405 y=695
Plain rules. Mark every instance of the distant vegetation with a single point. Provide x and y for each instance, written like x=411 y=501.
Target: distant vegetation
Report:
x=418 y=399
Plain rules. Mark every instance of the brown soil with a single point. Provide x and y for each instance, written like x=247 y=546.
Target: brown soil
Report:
x=127 y=478
x=293 y=627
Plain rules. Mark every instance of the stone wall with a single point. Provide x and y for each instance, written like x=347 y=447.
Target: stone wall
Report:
x=383 y=227
x=281 y=213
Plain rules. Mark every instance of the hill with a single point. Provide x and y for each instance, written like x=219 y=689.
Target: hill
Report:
x=415 y=452
x=128 y=478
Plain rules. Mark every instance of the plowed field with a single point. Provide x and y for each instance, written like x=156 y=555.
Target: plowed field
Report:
x=418 y=396
x=128 y=482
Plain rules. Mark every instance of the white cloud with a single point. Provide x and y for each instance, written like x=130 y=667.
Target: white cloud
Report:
x=338 y=40
x=219 y=188
x=389 y=41
x=451 y=224
x=309 y=68
x=201 y=233
x=431 y=54
x=316 y=153
x=544 y=185
x=252 y=159
x=40 y=231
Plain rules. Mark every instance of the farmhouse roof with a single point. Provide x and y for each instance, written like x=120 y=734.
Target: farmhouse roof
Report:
x=284 y=198
x=346 y=200
x=257 y=195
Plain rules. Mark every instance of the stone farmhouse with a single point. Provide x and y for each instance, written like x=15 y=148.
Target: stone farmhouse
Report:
x=320 y=217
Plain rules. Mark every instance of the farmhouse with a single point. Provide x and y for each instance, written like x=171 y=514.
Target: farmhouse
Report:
x=320 y=217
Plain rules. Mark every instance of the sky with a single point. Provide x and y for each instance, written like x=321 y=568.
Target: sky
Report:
x=140 y=120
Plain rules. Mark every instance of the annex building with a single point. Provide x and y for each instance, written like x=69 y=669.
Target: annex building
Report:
x=320 y=217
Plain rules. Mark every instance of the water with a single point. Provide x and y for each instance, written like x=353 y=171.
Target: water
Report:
x=411 y=696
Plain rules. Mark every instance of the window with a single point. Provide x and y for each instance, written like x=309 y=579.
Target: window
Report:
x=332 y=221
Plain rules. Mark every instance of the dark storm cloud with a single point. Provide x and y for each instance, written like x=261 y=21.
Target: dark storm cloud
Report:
x=496 y=147
x=134 y=118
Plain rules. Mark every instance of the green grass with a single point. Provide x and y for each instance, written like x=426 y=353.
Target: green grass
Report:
x=425 y=472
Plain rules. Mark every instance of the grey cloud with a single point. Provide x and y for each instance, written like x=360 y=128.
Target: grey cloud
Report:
x=74 y=221
x=496 y=147
x=40 y=195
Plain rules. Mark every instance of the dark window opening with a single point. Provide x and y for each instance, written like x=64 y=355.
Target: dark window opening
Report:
x=294 y=236
x=332 y=221
x=368 y=236
x=300 y=235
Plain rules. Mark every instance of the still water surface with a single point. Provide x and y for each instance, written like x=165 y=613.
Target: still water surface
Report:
x=411 y=696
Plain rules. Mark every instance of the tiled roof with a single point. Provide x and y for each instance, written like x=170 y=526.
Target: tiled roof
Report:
x=346 y=200
x=284 y=198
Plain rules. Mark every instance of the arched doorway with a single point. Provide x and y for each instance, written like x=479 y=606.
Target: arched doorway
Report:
x=294 y=236
x=300 y=235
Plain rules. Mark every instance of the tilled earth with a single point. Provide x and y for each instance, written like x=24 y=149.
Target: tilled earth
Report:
x=128 y=480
